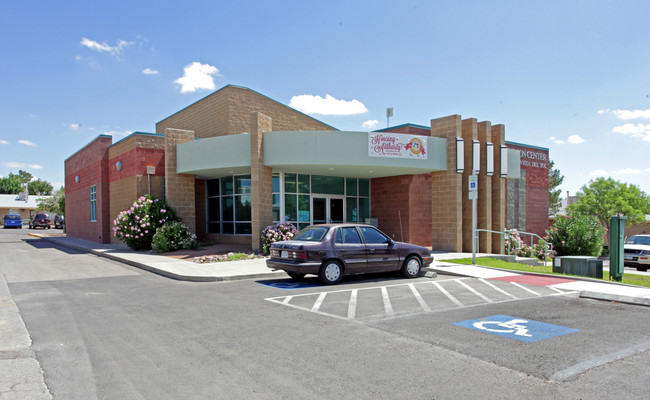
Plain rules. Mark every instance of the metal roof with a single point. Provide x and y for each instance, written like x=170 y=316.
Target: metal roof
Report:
x=13 y=201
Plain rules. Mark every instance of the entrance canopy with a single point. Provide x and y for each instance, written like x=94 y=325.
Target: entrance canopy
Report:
x=336 y=153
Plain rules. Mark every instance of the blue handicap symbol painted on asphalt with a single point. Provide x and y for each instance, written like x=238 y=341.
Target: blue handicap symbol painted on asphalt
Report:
x=287 y=284
x=516 y=328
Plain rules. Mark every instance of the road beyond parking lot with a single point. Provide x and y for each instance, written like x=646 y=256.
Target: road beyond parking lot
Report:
x=101 y=329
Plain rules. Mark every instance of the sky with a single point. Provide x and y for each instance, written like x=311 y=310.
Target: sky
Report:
x=570 y=76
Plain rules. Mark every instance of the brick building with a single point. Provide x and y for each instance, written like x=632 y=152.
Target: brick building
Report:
x=237 y=161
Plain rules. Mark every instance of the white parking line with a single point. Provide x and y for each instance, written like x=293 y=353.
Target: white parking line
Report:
x=419 y=298
x=471 y=289
x=526 y=289
x=452 y=298
x=352 y=306
x=388 y=307
x=497 y=289
x=319 y=301
x=389 y=312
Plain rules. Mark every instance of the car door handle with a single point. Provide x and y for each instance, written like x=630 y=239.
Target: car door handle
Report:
x=371 y=250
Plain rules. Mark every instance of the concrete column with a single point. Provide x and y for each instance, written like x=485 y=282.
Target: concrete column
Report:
x=261 y=179
x=484 y=211
x=179 y=188
x=498 y=189
x=469 y=132
x=446 y=185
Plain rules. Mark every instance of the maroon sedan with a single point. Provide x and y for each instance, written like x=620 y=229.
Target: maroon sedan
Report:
x=333 y=250
x=40 y=221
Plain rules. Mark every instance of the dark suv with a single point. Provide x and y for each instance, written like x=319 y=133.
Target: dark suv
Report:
x=40 y=220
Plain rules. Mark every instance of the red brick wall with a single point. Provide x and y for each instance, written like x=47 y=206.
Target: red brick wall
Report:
x=535 y=161
x=91 y=165
x=408 y=197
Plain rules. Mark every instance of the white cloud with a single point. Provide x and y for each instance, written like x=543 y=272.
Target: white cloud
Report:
x=559 y=141
x=3 y=142
x=149 y=71
x=598 y=172
x=75 y=127
x=326 y=106
x=575 y=139
x=371 y=124
x=636 y=131
x=14 y=164
x=627 y=114
x=197 y=76
x=104 y=47
x=27 y=143
x=78 y=58
x=647 y=170
x=628 y=171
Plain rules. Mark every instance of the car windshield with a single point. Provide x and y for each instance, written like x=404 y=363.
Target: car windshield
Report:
x=12 y=217
x=639 y=240
x=311 y=234
x=41 y=216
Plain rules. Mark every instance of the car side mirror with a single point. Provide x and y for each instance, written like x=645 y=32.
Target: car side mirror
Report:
x=390 y=242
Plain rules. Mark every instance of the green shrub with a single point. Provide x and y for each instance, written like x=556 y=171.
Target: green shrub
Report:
x=577 y=236
x=173 y=236
x=137 y=225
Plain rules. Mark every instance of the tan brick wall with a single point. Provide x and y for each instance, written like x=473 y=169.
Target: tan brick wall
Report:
x=227 y=111
x=446 y=188
x=180 y=188
x=498 y=188
x=470 y=132
x=261 y=179
x=484 y=202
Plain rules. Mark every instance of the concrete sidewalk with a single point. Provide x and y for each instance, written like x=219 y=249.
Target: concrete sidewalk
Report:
x=256 y=268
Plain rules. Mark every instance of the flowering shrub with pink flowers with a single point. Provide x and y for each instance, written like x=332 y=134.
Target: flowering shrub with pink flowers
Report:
x=174 y=236
x=137 y=225
x=277 y=233
x=580 y=235
x=514 y=245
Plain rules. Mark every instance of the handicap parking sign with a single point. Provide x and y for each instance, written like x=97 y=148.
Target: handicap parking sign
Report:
x=521 y=329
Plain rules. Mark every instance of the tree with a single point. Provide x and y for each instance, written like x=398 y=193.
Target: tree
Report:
x=606 y=197
x=555 y=179
x=54 y=204
x=23 y=176
x=10 y=185
x=39 y=187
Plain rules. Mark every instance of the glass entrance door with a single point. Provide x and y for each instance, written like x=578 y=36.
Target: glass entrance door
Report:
x=327 y=209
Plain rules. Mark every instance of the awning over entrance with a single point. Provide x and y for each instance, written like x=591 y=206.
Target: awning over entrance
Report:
x=344 y=154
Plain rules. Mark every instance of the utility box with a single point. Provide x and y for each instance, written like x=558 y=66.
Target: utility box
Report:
x=616 y=242
x=587 y=266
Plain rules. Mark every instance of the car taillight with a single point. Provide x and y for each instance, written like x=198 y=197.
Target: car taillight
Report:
x=275 y=253
x=298 y=255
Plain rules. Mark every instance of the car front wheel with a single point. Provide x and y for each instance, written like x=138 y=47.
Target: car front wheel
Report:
x=411 y=267
x=331 y=272
x=642 y=269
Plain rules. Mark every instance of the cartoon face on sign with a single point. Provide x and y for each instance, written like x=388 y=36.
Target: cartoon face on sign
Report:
x=416 y=147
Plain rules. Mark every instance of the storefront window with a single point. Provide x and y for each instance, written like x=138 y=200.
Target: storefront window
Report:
x=229 y=205
x=301 y=189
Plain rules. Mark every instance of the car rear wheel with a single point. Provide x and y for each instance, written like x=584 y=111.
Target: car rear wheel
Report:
x=295 y=275
x=331 y=272
x=642 y=269
x=412 y=266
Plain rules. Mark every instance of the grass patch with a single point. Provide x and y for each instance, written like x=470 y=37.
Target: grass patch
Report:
x=237 y=256
x=630 y=279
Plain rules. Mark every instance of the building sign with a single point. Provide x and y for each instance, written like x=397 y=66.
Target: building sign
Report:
x=535 y=159
x=395 y=145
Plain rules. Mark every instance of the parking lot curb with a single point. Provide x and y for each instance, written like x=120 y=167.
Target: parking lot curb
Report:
x=640 y=301
x=155 y=270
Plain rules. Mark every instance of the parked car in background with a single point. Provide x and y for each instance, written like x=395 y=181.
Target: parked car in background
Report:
x=333 y=250
x=40 y=220
x=636 y=252
x=13 y=221
x=59 y=221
